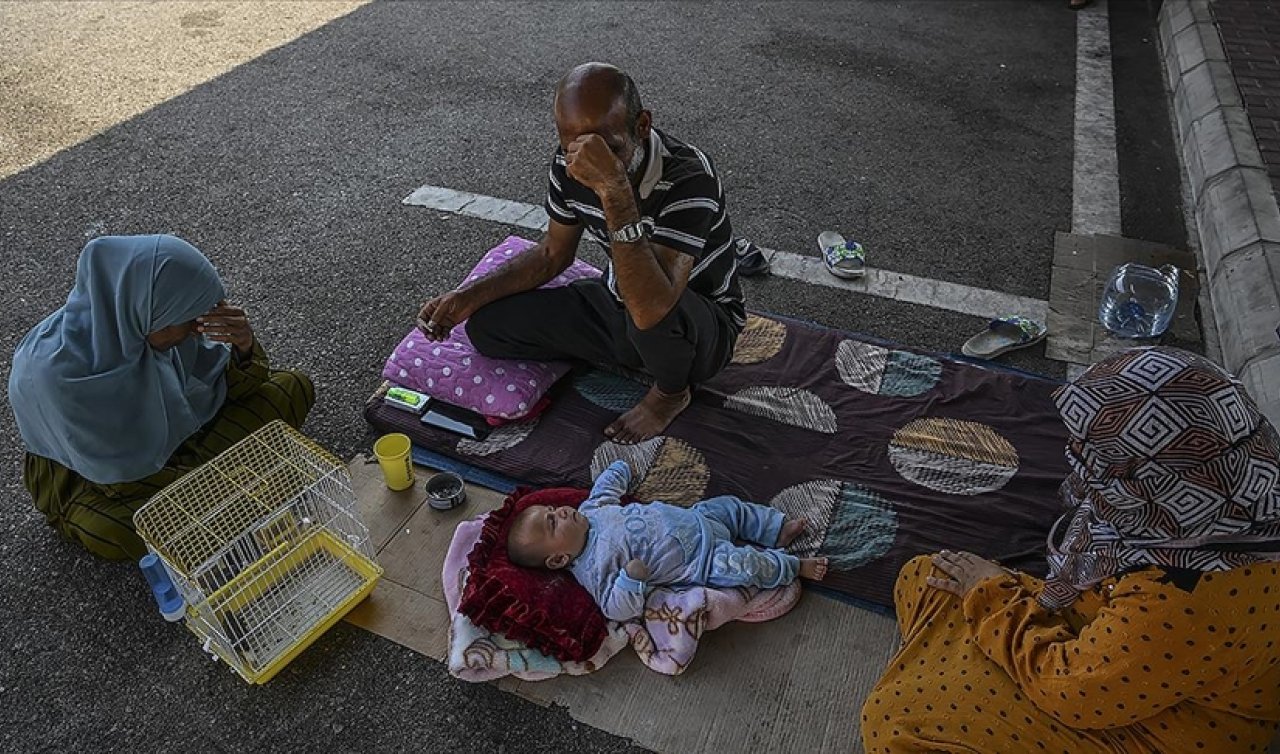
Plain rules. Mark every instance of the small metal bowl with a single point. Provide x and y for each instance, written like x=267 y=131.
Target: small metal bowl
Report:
x=446 y=491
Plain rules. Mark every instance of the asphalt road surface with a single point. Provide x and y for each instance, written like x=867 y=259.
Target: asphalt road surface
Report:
x=937 y=133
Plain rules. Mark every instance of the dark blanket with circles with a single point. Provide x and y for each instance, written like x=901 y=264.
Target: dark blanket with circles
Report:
x=889 y=452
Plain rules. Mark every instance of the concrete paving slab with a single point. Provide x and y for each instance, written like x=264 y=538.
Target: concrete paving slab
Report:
x=796 y=683
x=1217 y=143
x=1232 y=194
x=1236 y=211
x=1181 y=15
x=1259 y=378
x=1195 y=44
x=1250 y=275
x=1203 y=89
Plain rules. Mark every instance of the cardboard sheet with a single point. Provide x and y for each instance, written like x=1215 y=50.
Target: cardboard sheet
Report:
x=793 y=684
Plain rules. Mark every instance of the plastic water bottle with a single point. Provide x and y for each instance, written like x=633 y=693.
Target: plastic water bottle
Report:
x=1138 y=301
x=170 y=602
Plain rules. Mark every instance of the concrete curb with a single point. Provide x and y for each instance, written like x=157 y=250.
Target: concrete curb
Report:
x=1235 y=208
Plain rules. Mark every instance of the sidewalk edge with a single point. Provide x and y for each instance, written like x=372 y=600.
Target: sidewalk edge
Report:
x=1237 y=217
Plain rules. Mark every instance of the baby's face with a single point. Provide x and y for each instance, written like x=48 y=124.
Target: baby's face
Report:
x=556 y=531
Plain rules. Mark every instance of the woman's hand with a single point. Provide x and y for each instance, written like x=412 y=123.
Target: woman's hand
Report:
x=965 y=570
x=228 y=324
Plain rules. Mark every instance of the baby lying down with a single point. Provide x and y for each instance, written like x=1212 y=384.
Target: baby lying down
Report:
x=618 y=551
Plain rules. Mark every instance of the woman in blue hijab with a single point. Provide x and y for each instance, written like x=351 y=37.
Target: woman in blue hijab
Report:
x=143 y=375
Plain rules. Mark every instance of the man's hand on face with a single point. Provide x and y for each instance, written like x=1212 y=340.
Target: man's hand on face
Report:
x=589 y=161
x=439 y=315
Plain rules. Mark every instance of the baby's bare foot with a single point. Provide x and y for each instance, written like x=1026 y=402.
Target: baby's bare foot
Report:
x=792 y=528
x=649 y=417
x=814 y=569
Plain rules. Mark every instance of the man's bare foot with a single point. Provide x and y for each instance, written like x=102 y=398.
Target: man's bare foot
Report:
x=814 y=569
x=791 y=528
x=648 y=417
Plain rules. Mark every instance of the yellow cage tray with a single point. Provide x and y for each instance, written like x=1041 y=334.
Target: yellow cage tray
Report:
x=282 y=603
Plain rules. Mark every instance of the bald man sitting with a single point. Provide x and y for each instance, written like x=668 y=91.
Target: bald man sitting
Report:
x=669 y=304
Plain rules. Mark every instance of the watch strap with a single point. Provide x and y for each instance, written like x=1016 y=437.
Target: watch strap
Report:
x=629 y=233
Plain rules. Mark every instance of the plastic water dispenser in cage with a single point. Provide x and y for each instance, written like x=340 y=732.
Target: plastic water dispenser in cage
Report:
x=265 y=546
x=171 y=605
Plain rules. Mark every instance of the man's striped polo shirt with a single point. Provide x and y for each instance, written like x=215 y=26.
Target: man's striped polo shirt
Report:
x=681 y=205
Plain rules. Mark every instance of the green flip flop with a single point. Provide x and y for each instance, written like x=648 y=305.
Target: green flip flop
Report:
x=844 y=259
x=1004 y=334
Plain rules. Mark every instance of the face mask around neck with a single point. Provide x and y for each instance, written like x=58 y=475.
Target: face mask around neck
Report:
x=637 y=160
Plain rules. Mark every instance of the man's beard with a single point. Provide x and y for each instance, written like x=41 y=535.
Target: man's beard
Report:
x=637 y=161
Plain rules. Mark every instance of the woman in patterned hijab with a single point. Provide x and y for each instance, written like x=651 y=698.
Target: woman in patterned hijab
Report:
x=1171 y=465
x=1156 y=629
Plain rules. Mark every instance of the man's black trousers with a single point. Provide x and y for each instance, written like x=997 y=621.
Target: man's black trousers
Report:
x=583 y=321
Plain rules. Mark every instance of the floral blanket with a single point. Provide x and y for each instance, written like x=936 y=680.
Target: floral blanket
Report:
x=666 y=639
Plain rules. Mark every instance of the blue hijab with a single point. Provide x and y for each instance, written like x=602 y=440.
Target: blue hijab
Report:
x=88 y=390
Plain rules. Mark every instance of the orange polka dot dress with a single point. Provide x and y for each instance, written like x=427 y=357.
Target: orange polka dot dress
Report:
x=1153 y=661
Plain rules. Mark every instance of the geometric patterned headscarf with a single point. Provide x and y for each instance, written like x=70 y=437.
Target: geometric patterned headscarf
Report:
x=1171 y=464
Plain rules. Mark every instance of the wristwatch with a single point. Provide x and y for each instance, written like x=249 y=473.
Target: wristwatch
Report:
x=628 y=233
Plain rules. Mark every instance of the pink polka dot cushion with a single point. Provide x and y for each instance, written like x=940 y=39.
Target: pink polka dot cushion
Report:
x=454 y=372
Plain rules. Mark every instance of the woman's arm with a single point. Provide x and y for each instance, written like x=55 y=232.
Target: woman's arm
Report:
x=248 y=367
x=1149 y=647
x=246 y=374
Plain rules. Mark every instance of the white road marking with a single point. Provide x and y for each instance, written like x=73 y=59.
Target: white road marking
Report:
x=1095 y=180
x=939 y=294
x=898 y=286
x=1095 y=170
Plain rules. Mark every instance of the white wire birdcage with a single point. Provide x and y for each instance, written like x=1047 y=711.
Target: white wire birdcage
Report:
x=265 y=544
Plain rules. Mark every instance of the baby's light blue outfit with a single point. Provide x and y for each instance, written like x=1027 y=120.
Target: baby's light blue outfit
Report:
x=681 y=546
